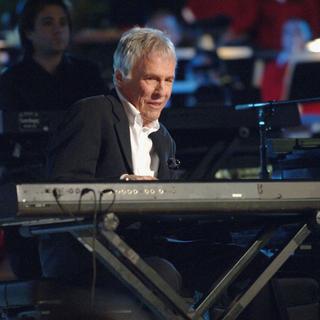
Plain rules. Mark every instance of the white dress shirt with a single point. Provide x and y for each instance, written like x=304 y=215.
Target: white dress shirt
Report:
x=145 y=161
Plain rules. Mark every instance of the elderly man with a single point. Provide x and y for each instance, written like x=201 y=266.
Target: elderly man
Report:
x=117 y=136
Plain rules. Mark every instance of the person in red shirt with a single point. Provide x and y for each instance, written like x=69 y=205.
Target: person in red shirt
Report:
x=272 y=14
x=295 y=34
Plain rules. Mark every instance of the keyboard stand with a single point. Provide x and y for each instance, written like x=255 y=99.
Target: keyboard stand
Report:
x=146 y=283
x=153 y=291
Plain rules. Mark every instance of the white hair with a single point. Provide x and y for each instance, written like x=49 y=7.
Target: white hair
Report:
x=139 y=42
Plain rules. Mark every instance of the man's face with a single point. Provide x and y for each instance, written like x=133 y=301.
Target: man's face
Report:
x=51 y=31
x=293 y=38
x=149 y=85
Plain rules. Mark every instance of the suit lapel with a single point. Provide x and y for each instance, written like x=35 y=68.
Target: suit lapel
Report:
x=122 y=129
x=161 y=150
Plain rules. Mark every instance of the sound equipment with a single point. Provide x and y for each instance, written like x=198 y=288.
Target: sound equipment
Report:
x=58 y=199
x=24 y=122
x=295 y=158
x=279 y=147
x=23 y=143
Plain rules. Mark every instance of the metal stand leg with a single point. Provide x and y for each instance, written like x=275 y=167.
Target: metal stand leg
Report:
x=235 y=271
x=268 y=273
x=136 y=274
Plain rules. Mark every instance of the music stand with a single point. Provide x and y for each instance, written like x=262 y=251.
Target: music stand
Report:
x=302 y=77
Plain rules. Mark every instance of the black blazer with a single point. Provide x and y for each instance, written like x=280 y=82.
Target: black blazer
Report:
x=93 y=142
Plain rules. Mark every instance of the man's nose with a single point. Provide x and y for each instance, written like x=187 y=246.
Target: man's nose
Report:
x=160 y=87
x=57 y=27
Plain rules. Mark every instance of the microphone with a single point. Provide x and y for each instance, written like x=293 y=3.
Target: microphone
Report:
x=173 y=163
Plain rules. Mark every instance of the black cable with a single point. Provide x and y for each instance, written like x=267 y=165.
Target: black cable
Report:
x=94 y=238
x=94 y=231
x=65 y=211
x=82 y=193
x=110 y=205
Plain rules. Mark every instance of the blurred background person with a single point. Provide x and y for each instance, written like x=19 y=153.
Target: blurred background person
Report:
x=167 y=22
x=293 y=74
x=273 y=14
x=47 y=77
x=295 y=35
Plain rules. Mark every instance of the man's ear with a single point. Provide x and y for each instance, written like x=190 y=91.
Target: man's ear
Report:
x=118 y=77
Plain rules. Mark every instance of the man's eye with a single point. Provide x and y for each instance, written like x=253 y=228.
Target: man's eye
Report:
x=47 y=23
x=151 y=80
